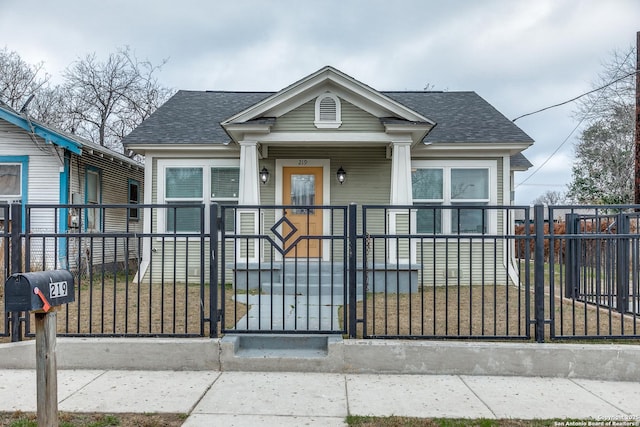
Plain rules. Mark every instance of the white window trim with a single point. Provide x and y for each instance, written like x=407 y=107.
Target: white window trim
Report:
x=328 y=124
x=446 y=166
x=206 y=165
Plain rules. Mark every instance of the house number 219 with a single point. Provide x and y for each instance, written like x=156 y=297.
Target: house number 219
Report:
x=303 y=162
x=58 y=289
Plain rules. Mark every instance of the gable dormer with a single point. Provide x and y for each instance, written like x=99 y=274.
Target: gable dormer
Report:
x=320 y=100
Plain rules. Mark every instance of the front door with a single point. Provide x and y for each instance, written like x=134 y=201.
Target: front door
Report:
x=302 y=186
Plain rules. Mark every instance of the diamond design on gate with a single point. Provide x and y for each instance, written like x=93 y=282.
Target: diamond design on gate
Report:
x=284 y=220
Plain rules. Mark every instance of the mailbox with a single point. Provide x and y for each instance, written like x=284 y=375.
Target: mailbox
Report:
x=38 y=291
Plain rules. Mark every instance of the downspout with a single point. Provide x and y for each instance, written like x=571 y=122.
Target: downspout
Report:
x=65 y=180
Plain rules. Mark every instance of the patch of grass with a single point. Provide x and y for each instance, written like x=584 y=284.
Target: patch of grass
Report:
x=394 y=421
x=120 y=308
x=72 y=419
x=486 y=311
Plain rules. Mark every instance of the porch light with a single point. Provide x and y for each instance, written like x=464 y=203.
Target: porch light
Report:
x=264 y=175
x=341 y=175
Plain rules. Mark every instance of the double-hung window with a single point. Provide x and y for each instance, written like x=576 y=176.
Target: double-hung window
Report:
x=10 y=182
x=93 y=196
x=134 y=199
x=14 y=180
x=183 y=186
x=428 y=190
x=196 y=182
x=225 y=184
x=454 y=190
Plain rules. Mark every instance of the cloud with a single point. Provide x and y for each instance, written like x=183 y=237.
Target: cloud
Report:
x=518 y=55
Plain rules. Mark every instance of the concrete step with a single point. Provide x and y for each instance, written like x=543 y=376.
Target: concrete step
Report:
x=282 y=352
x=279 y=346
x=314 y=267
x=291 y=288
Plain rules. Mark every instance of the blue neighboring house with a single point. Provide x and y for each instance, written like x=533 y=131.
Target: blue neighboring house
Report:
x=40 y=165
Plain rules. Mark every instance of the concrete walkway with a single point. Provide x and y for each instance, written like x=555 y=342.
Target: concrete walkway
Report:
x=324 y=399
x=290 y=312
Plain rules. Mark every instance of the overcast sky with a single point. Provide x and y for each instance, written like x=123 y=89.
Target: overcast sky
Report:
x=518 y=55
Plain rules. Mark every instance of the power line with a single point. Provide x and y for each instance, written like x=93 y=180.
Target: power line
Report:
x=581 y=120
x=554 y=152
x=577 y=97
x=543 y=185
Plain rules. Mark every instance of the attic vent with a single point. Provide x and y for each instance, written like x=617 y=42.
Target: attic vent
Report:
x=328 y=111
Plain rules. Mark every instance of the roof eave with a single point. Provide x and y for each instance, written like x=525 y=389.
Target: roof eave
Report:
x=240 y=131
x=43 y=132
x=417 y=130
x=487 y=147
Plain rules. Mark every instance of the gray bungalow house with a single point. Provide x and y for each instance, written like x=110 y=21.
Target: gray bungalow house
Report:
x=328 y=140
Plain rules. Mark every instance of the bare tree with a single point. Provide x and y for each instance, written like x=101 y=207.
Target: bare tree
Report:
x=18 y=79
x=108 y=99
x=100 y=101
x=550 y=198
x=603 y=168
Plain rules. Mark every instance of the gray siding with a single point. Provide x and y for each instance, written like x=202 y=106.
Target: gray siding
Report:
x=302 y=118
x=114 y=191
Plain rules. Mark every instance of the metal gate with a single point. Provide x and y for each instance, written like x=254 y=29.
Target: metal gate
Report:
x=280 y=274
x=602 y=260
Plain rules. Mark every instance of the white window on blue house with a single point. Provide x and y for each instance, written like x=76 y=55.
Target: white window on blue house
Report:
x=14 y=172
x=196 y=182
x=10 y=181
x=453 y=190
x=93 y=196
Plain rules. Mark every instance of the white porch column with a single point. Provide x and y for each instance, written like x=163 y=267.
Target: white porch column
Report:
x=401 y=192
x=247 y=220
x=249 y=189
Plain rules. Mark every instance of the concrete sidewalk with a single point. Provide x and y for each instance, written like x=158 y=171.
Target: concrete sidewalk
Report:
x=324 y=399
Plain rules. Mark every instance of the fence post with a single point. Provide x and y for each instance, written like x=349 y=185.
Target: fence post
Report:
x=214 y=314
x=353 y=265
x=538 y=272
x=572 y=256
x=16 y=263
x=622 y=264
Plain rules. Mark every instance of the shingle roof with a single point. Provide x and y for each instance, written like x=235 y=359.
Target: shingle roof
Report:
x=461 y=117
x=520 y=162
x=194 y=117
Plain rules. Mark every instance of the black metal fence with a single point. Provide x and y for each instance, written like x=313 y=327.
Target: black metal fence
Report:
x=5 y=247
x=446 y=272
x=420 y=271
x=117 y=293
x=593 y=266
